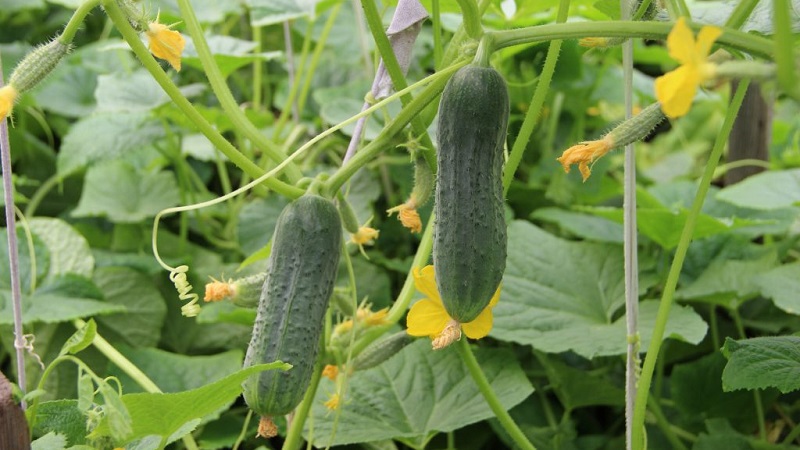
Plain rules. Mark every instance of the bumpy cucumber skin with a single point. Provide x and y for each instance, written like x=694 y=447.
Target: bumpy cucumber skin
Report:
x=301 y=274
x=469 y=247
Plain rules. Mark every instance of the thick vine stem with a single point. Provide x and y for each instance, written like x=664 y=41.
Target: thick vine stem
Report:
x=76 y=20
x=749 y=43
x=471 y=18
x=637 y=426
x=503 y=416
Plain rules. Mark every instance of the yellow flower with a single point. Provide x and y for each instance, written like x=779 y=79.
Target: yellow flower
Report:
x=428 y=317
x=408 y=215
x=7 y=97
x=330 y=371
x=372 y=318
x=218 y=290
x=584 y=154
x=676 y=89
x=165 y=43
x=364 y=236
x=333 y=402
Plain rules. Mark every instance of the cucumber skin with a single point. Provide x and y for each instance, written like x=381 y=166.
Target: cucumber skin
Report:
x=469 y=247
x=302 y=271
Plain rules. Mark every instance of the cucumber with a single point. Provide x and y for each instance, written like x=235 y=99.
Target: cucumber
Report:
x=300 y=278
x=469 y=247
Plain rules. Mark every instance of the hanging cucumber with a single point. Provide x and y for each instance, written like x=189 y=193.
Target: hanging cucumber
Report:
x=300 y=278
x=469 y=247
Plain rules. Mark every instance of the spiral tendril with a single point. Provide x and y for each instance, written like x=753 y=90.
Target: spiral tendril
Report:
x=178 y=277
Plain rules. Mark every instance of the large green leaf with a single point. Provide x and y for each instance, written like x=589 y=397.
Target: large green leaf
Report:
x=141 y=324
x=48 y=308
x=69 y=251
x=165 y=414
x=782 y=285
x=728 y=281
x=257 y=222
x=173 y=372
x=229 y=53
x=559 y=296
x=582 y=225
x=121 y=193
x=767 y=190
x=62 y=417
x=762 y=362
x=414 y=394
x=32 y=268
x=128 y=92
x=269 y=12
x=106 y=136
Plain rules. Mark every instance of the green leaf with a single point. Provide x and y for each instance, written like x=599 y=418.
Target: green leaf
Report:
x=118 y=191
x=81 y=339
x=698 y=393
x=115 y=413
x=62 y=417
x=50 y=441
x=200 y=148
x=69 y=251
x=48 y=308
x=257 y=222
x=577 y=388
x=229 y=53
x=207 y=11
x=781 y=284
x=165 y=414
x=559 y=296
x=102 y=137
x=415 y=393
x=270 y=12
x=31 y=267
x=141 y=324
x=582 y=225
x=122 y=92
x=173 y=372
x=767 y=190
x=762 y=362
x=728 y=281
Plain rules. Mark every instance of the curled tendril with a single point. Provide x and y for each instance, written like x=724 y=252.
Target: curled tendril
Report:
x=178 y=277
x=25 y=342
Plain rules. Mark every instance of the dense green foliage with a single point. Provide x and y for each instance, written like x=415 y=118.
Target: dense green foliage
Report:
x=99 y=148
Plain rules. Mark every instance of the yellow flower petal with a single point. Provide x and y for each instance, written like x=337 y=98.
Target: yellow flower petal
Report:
x=7 y=97
x=426 y=318
x=481 y=326
x=680 y=42
x=330 y=372
x=705 y=40
x=333 y=402
x=495 y=297
x=166 y=44
x=676 y=90
x=584 y=154
x=425 y=282
x=365 y=235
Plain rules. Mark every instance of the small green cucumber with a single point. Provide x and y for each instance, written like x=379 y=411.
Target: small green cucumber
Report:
x=300 y=277
x=469 y=247
x=381 y=350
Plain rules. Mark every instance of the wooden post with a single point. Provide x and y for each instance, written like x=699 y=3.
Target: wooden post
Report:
x=751 y=134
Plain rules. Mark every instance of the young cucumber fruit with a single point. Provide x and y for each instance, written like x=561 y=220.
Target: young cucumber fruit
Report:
x=469 y=247
x=300 y=278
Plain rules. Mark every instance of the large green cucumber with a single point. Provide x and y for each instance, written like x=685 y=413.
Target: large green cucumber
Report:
x=300 y=278
x=469 y=247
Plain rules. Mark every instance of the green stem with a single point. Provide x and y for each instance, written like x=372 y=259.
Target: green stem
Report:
x=41 y=193
x=436 y=18
x=223 y=93
x=396 y=74
x=637 y=430
x=365 y=155
x=784 y=47
x=454 y=47
x=294 y=436
x=400 y=305
x=131 y=370
x=315 y=57
x=535 y=108
x=471 y=18
x=626 y=29
x=152 y=66
x=290 y=104
x=499 y=410
x=76 y=20
x=258 y=68
x=740 y=14
x=664 y=425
